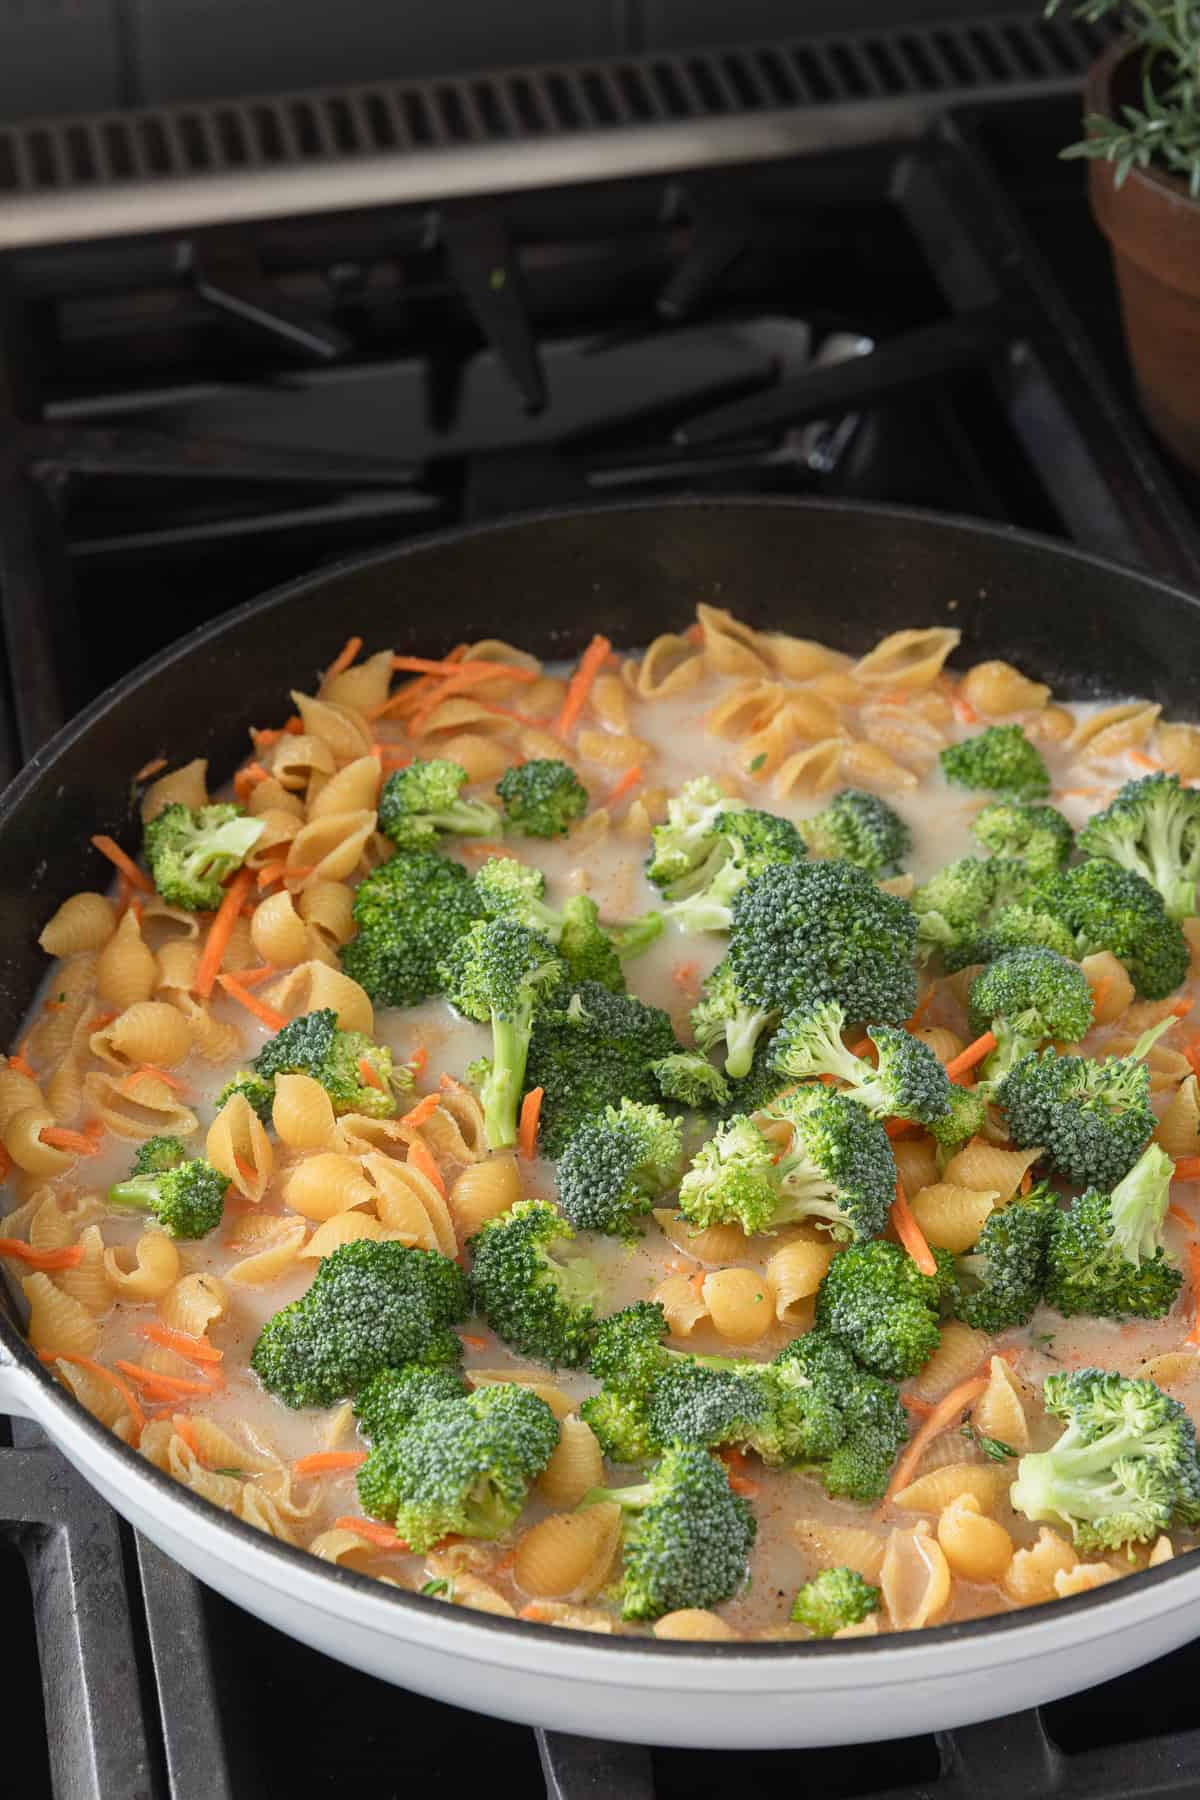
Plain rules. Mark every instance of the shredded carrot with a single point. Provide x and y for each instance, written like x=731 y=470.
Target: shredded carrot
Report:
x=630 y=779
x=473 y=1342
x=370 y=1074
x=974 y=1053
x=382 y=1537
x=58 y=1138
x=20 y=1062
x=736 y=1465
x=1193 y=1250
x=944 y=1413
x=163 y=1075
x=67 y=1256
x=109 y=847
x=1182 y=1218
x=421 y=1158
x=1026 y=1182
x=1142 y=760
x=151 y=768
x=684 y=974
x=477 y=669
x=580 y=684
x=424 y=1109
x=417 y=1061
x=220 y=932
x=910 y=1233
x=252 y=977
x=185 y=1429
x=863 y=1047
x=696 y=1283
x=245 y=1169
x=1192 y=1052
x=329 y=1462
x=274 y=1021
x=1181 y=1007
x=911 y=1404
x=694 y=633
x=535 y=1613
x=192 y=1349
x=95 y=1128
x=921 y=1008
x=170 y=1384
x=1187 y=1169
x=531 y=1112
x=344 y=657
x=900 y=1128
x=98 y=1369
x=265 y=737
x=270 y=872
x=1099 y=992
x=964 y=712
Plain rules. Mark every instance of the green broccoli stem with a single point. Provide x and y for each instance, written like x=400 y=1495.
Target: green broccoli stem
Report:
x=637 y=936
x=501 y=1091
x=742 y=1033
x=1055 y=1480
x=631 y=1499
x=139 y=1191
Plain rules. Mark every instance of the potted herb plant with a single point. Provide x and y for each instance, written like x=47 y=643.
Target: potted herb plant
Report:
x=1143 y=142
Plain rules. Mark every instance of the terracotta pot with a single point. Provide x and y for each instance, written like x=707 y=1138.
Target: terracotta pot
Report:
x=1153 y=228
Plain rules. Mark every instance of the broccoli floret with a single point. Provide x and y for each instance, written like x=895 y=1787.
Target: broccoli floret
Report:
x=512 y=890
x=876 y=1299
x=963 y=906
x=461 y=1466
x=1093 y=1119
x=410 y=912
x=683 y=845
x=759 y=1087
x=837 y=1169
x=619 y=1424
x=804 y=933
x=1001 y=760
x=617 y=1165
x=1001 y=1280
x=688 y=1540
x=542 y=798
x=1152 y=828
x=186 y=1195
x=1021 y=925
x=372 y=1305
x=627 y=1352
x=836 y=1421
x=192 y=852
x=1125 y=1469
x=965 y=1120
x=746 y=843
x=859 y=828
x=832 y=1600
x=420 y=802
x=393 y=1398
x=258 y=1093
x=691 y=1079
x=722 y=1017
x=595 y=1051
x=1037 y=836
x=501 y=973
x=1109 y=908
x=314 y=1045
x=708 y=1401
x=540 y=1305
x=1025 y=997
x=908 y=1083
x=1106 y=1255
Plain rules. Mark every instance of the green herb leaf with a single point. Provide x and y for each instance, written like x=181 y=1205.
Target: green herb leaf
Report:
x=439 y=1587
x=756 y=765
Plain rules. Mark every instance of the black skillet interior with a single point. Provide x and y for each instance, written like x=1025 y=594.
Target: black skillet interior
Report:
x=844 y=574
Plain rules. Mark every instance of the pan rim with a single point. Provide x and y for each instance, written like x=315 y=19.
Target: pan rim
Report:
x=292 y=1560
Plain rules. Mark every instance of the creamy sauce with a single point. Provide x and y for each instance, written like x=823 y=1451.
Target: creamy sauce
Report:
x=611 y=871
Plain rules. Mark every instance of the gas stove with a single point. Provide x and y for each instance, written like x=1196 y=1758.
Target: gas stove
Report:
x=241 y=339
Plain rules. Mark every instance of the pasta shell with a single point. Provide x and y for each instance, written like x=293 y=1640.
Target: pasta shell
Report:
x=193 y=1304
x=976 y=1548
x=875 y=768
x=343 y=1547
x=294 y=761
x=302 y=1113
x=1173 y=1368
x=694 y=1625
x=58 y=1218
x=1112 y=990
x=263 y=1511
x=23 y=1142
x=410 y=1206
x=84 y=922
x=59 y=1325
x=570 y=1618
x=482 y=757
x=237 y=1145
x=186 y=786
x=813 y=770
x=985 y=1482
x=1178 y=749
x=326 y=1184
x=718 y=1244
x=343 y=729
x=1179 y=1127
x=214 y=1040
x=953 y=1217
x=907 y=659
x=730 y=647
x=800 y=659
x=741 y=1304
x=326 y=908
x=576 y=1465
x=992 y=1170
x=483 y=1191
x=996 y=690
x=330 y=848
x=568 y=1556
x=362 y=686
x=833 y=1545
x=944 y=1043
x=958 y=1355
x=125 y=969
x=795 y=1271
x=1113 y=730
x=683 y=1305
x=747 y=709
x=915 y=1580
x=560 y=1404
x=342 y=1228
x=353 y=789
x=139 y=1106
x=615 y=752
x=277 y=931
x=154 y=1267
x=148 y=1032
x=916 y=1163
x=1030 y=1576
x=671 y=665
x=312 y=986
x=18 y=1093
x=276 y=1243
x=999 y=1411
x=88 y=1281
x=104 y=1401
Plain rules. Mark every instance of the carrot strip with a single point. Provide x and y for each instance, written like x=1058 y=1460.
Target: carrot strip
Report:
x=245 y=1169
x=1181 y=1007
x=736 y=1465
x=910 y=1233
x=151 y=768
x=477 y=670
x=630 y=779
x=252 y=977
x=1182 y=1218
x=974 y=1053
x=424 y=1109
x=863 y=1047
x=421 y=1158
x=1026 y=1182
x=369 y=1074
x=696 y=1283
x=275 y=1021
x=67 y=1256
x=220 y=932
x=329 y=1462
x=417 y=1061
x=60 y=1139
x=684 y=974
x=1193 y=1250
x=185 y=1429
x=944 y=1413
x=527 y=1130
x=381 y=1536
x=163 y=1075
x=344 y=657
x=1192 y=1052
x=911 y=1404
x=98 y=1369
x=1098 y=993
x=473 y=1342
x=964 y=712
x=192 y=1349
x=20 y=1062
x=170 y=1384
x=109 y=847
x=580 y=684
x=920 y=1009
x=899 y=1128
x=270 y=872
x=1142 y=760
x=1187 y=1169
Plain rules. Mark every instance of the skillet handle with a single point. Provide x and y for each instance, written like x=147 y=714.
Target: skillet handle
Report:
x=17 y=1387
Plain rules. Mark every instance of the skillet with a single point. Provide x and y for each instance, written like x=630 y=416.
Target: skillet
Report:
x=843 y=573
